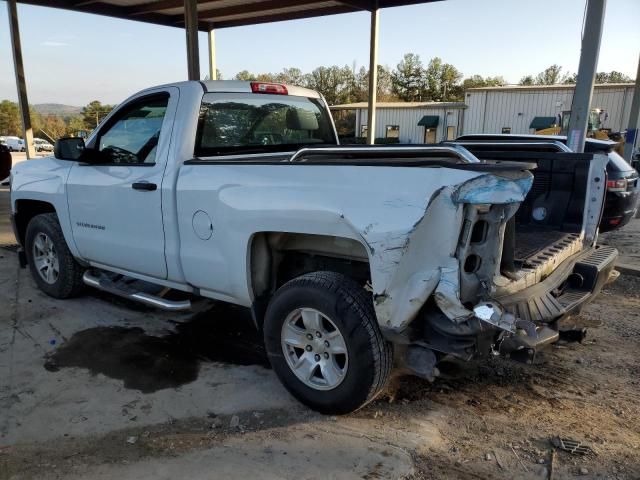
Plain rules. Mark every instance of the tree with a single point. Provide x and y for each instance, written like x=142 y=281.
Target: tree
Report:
x=360 y=88
x=527 y=80
x=550 y=76
x=612 y=77
x=53 y=127
x=291 y=76
x=408 y=80
x=335 y=83
x=450 y=77
x=477 y=81
x=94 y=113
x=75 y=125
x=244 y=75
x=10 y=123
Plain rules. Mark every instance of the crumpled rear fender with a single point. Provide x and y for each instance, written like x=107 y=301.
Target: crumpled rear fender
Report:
x=408 y=269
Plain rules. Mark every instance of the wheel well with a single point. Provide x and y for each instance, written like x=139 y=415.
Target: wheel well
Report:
x=275 y=258
x=25 y=211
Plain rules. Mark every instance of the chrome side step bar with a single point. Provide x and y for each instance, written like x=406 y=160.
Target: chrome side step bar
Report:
x=152 y=300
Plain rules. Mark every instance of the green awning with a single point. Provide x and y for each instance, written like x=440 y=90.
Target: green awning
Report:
x=538 y=123
x=429 y=121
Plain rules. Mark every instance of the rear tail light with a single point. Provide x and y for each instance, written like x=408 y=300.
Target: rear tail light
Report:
x=273 y=88
x=615 y=221
x=617 y=185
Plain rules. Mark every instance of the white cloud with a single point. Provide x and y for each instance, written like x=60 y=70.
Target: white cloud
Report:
x=50 y=43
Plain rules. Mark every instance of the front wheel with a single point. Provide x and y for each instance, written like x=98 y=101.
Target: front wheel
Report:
x=52 y=266
x=324 y=343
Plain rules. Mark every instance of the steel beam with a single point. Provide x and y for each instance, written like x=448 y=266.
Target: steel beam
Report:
x=373 y=77
x=211 y=36
x=632 y=130
x=191 y=30
x=21 y=84
x=581 y=103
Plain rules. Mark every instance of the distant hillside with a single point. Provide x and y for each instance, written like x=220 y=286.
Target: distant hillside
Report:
x=56 y=109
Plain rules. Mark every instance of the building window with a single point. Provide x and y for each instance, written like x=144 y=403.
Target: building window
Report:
x=451 y=133
x=429 y=135
x=392 y=131
x=363 y=130
x=506 y=129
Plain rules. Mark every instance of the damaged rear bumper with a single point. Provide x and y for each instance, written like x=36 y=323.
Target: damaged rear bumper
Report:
x=521 y=324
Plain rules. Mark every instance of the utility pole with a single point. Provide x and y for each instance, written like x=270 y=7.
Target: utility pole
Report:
x=632 y=129
x=191 y=30
x=591 y=36
x=373 y=76
x=21 y=84
x=213 y=69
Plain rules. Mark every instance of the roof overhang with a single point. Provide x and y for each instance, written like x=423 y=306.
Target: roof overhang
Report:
x=429 y=121
x=219 y=13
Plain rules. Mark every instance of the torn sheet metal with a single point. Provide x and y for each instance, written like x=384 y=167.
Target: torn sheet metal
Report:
x=409 y=267
x=494 y=189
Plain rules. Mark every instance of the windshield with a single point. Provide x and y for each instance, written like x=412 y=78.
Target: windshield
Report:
x=237 y=123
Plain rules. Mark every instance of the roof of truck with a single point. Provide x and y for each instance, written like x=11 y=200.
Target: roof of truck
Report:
x=240 y=86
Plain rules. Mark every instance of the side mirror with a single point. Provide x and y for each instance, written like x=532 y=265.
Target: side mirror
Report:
x=70 y=148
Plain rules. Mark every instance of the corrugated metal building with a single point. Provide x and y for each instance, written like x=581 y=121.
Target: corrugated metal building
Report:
x=514 y=109
x=410 y=122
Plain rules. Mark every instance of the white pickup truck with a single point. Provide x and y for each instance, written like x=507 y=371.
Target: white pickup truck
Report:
x=353 y=260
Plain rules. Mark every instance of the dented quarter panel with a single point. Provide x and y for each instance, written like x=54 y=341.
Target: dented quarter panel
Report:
x=428 y=260
x=408 y=220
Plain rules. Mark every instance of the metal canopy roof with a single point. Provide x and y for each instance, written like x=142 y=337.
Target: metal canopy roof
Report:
x=219 y=13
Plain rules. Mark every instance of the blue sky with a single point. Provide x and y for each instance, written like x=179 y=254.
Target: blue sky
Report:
x=73 y=58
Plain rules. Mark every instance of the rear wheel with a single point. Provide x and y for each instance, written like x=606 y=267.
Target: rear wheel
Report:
x=52 y=266
x=323 y=341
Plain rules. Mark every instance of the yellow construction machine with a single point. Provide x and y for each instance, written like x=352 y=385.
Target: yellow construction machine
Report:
x=594 y=129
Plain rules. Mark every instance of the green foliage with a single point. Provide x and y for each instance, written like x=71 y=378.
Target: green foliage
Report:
x=553 y=75
x=53 y=127
x=408 y=80
x=438 y=81
x=612 y=77
x=10 y=118
x=94 y=113
x=477 y=81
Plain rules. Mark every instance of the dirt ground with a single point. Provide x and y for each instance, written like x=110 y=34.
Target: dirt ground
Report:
x=99 y=388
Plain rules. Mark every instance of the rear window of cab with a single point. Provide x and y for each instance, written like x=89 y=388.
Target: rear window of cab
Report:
x=237 y=123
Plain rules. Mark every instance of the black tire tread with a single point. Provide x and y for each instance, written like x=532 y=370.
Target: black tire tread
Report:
x=71 y=283
x=358 y=299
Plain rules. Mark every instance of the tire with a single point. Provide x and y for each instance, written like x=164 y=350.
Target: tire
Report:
x=347 y=307
x=67 y=282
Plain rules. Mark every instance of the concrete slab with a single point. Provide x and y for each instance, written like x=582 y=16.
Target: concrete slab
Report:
x=38 y=404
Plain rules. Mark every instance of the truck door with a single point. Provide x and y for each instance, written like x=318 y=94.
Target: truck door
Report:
x=115 y=206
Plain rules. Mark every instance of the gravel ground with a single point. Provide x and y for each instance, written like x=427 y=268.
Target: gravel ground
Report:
x=99 y=388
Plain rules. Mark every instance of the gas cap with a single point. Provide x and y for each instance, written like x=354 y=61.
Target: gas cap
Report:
x=202 y=225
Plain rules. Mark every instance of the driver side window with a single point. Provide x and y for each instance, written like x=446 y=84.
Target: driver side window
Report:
x=132 y=136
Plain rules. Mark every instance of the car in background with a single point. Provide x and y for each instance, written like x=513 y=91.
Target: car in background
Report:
x=623 y=186
x=42 y=145
x=15 y=144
